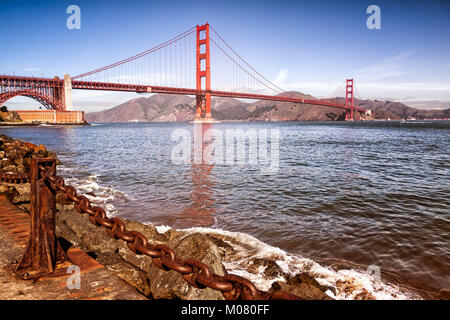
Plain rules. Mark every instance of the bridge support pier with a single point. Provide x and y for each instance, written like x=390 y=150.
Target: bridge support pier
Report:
x=68 y=93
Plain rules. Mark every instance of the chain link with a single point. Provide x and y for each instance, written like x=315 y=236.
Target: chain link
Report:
x=14 y=177
x=195 y=272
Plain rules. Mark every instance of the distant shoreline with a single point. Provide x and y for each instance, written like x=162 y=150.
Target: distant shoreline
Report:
x=17 y=124
x=32 y=124
x=281 y=121
x=36 y=124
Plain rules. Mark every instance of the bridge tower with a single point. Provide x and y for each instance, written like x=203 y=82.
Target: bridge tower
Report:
x=203 y=74
x=349 y=100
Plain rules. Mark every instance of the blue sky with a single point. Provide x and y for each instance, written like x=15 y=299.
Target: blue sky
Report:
x=309 y=46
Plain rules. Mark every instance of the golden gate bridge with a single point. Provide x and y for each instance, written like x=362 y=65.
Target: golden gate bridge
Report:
x=198 y=62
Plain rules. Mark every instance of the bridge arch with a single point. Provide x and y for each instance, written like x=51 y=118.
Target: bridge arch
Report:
x=43 y=99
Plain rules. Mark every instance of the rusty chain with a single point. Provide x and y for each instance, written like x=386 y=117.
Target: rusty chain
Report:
x=14 y=177
x=195 y=272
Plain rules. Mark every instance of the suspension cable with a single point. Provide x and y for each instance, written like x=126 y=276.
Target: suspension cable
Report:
x=280 y=90
x=158 y=47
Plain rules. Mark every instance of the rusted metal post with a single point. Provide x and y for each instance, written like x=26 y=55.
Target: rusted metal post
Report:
x=43 y=249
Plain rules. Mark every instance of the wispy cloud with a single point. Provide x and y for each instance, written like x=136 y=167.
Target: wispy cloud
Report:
x=389 y=67
x=309 y=87
x=383 y=84
x=411 y=87
x=90 y=101
x=281 y=77
x=31 y=69
x=434 y=104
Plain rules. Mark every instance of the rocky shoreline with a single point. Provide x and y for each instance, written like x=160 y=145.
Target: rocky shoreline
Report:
x=75 y=230
x=271 y=269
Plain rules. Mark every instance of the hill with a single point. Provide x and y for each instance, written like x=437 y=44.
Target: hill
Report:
x=397 y=111
x=8 y=116
x=164 y=108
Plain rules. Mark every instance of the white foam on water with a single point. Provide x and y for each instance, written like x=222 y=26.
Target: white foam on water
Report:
x=105 y=197
x=162 y=228
x=347 y=283
x=64 y=169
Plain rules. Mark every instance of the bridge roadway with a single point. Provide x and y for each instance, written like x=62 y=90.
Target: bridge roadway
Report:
x=90 y=85
x=31 y=83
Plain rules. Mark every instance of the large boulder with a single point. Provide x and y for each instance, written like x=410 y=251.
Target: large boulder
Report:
x=304 y=286
x=172 y=285
x=79 y=230
x=17 y=193
x=8 y=190
x=138 y=270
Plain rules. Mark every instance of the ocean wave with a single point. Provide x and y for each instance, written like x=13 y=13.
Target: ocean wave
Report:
x=348 y=284
x=106 y=197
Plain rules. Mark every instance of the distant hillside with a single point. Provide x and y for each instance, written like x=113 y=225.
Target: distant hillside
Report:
x=164 y=108
x=8 y=116
x=396 y=110
x=142 y=109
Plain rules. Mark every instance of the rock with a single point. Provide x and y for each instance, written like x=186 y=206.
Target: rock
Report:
x=41 y=151
x=5 y=163
x=141 y=261
x=53 y=156
x=24 y=193
x=62 y=200
x=138 y=270
x=348 y=286
x=127 y=272
x=272 y=269
x=94 y=238
x=229 y=250
x=9 y=191
x=444 y=294
x=304 y=286
x=167 y=285
x=364 y=295
x=67 y=235
x=170 y=284
x=9 y=169
x=20 y=168
x=31 y=146
x=18 y=161
x=16 y=155
x=25 y=207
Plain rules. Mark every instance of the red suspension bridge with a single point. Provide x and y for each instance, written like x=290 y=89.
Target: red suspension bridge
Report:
x=181 y=65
